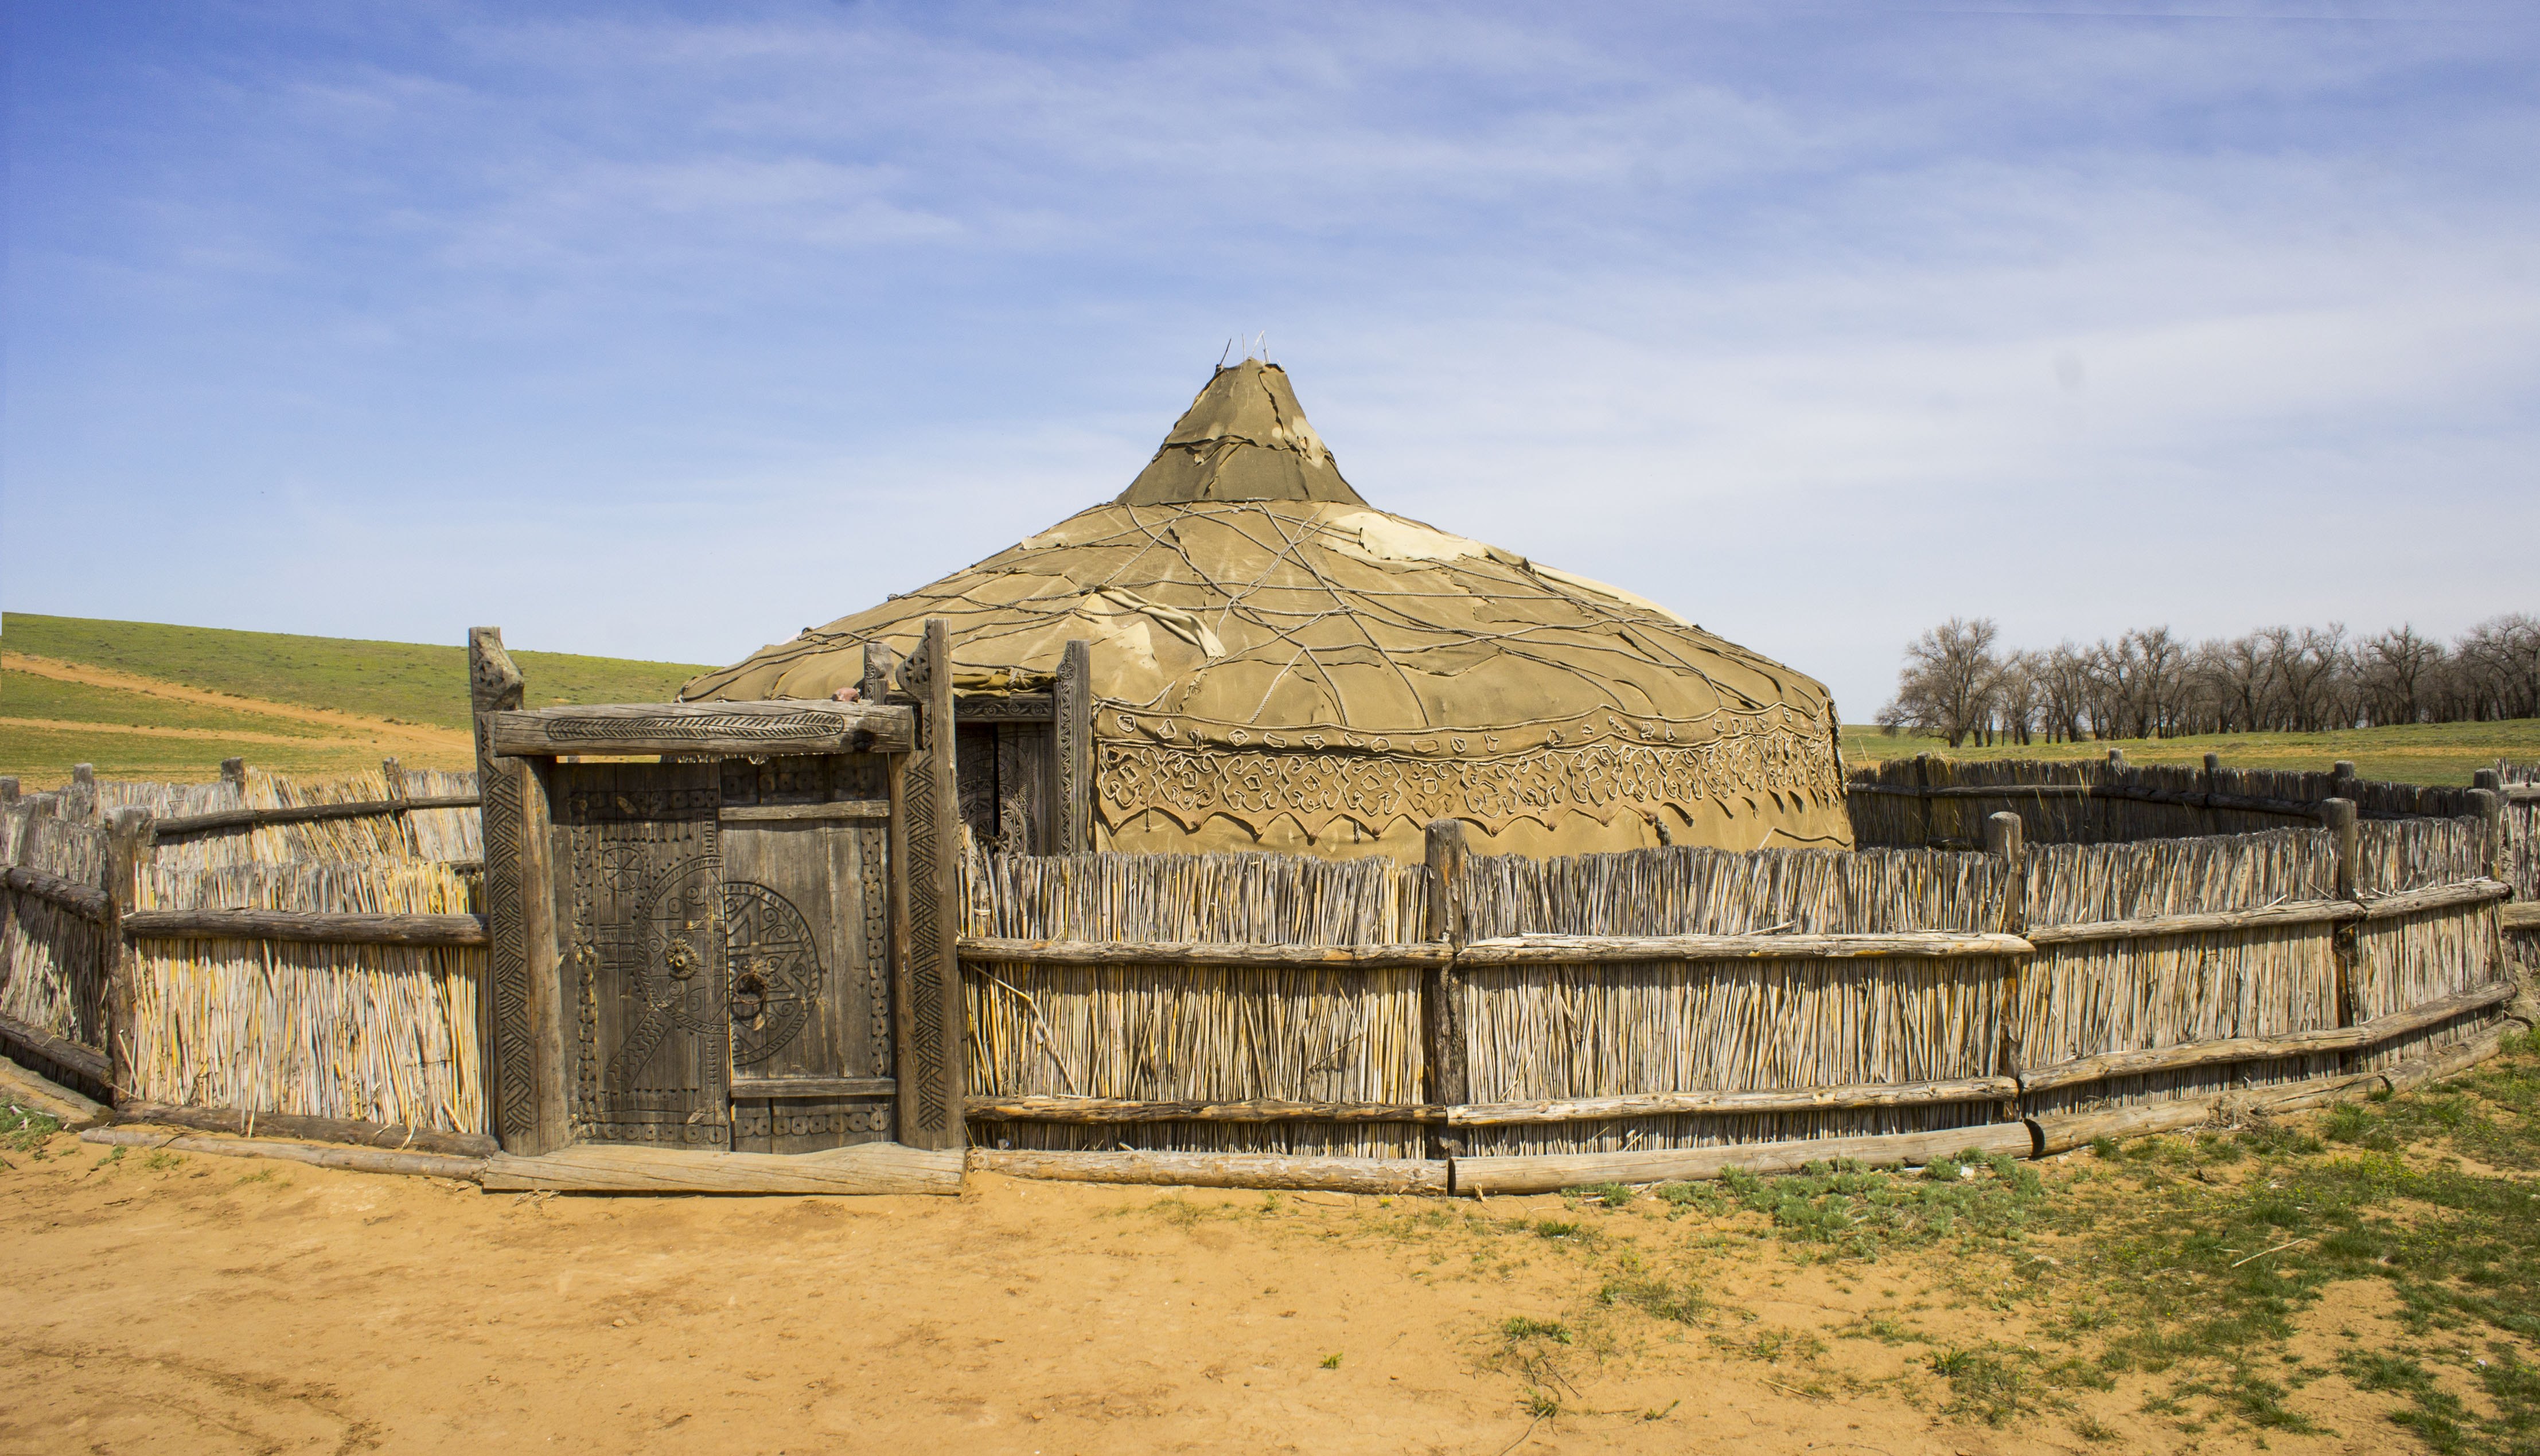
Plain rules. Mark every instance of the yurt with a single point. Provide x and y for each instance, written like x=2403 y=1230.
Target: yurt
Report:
x=1273 y=663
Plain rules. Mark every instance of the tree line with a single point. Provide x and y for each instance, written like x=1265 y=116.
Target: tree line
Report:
x=1961 y=684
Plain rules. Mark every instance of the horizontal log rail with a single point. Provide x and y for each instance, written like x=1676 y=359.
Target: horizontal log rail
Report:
x=85 y=901
x=305 y=925
x=1785 y=1099
x=304 y=814
x=2290 y=913
x=1204 y=954
x=1118 y=1110
x=2267 y=916
x=2520 y=916
x=2191 y=798
x=88 y=1061
x=2108 y=1065
x=1266 y=1110
x=1592 y=950
x=2436 y=897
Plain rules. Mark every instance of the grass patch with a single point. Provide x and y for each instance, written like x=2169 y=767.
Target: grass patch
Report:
x=2206 y=1253
x=1859 y=1212
x=2407 y=753
x=25 y=1129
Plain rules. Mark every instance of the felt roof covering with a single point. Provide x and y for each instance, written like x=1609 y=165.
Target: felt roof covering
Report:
x=1242 y=587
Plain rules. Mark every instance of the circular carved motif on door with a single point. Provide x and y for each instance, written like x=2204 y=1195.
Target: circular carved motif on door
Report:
x=774 y=966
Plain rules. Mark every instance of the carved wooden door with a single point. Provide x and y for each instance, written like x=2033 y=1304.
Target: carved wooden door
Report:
x=721 y=929
x=805 y=844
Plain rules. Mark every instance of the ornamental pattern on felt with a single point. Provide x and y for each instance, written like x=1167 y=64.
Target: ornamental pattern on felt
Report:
x=1377 y=789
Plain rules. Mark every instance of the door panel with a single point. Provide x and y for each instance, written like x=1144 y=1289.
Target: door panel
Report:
x=639 y=882
x=810 y=956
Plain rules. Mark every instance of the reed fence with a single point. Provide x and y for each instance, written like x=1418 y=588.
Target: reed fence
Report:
x=1926 y=801
x=344 y=1004
x=2021 y=953
x=1654 y=1010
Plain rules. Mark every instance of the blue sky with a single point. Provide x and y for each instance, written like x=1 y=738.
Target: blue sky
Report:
x=666 y=331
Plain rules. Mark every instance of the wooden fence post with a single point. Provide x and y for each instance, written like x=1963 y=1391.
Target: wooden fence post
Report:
x=1442 y=989
x=127 y=837
x=234 y=770
x=2213 y=785
x=520 y=1033
x=2339 y=816
x=8 y=791
x=1071 y=746
x=2489 y=806
x=2005 y=837
x=932 y=1012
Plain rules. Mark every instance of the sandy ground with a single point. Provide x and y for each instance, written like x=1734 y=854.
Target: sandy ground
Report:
x=164 y=1301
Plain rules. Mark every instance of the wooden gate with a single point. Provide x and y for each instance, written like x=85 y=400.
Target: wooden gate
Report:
x=702 y=934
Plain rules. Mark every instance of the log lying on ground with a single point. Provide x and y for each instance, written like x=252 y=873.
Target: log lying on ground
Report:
x=347 y=1159
x=1120 y=1110
x=2263 y=1048
x=1551 y=1172
x=85 y=901
x=34 y=1041
x=2062 y=1133
x=865 y=1169
x=2449 y=1062
x=1594 y=949
x=25 y=1085
x=1792 y=1100
x=1219 y=1170
x=1202 y=954
x=306 y=926
x=312 y=1129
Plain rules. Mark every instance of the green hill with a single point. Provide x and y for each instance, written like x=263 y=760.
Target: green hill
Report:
x=410 y=682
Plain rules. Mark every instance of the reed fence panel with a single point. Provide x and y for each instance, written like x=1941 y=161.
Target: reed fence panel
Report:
x=2409 y=960
x=1928 y=800
x=372 y=1033
x=51 y=959
x=1171 y=1032
x=2089 y=997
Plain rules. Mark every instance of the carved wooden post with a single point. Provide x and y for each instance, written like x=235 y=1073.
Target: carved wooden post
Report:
x=2339 y=816
x=1071 y=746
x=520 y=1035
x=1442 y=989
x=127 y=840
x=879 y=660
x=2005 y=839
x=931 y=1013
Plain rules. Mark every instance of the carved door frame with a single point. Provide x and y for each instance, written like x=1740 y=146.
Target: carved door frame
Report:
x=527 y=1022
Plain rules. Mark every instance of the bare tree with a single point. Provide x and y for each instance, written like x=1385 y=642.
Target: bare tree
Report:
x=1948 y=682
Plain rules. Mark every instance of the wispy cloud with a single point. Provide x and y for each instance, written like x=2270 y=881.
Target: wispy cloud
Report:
x=1816 y=326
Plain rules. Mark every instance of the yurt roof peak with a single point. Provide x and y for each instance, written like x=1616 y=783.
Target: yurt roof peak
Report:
x=1240 y=584
x=1243 y=439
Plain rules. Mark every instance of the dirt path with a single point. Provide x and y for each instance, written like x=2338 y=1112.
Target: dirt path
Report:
x=158 y=730
x=349 y=724
x=164 y=1301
